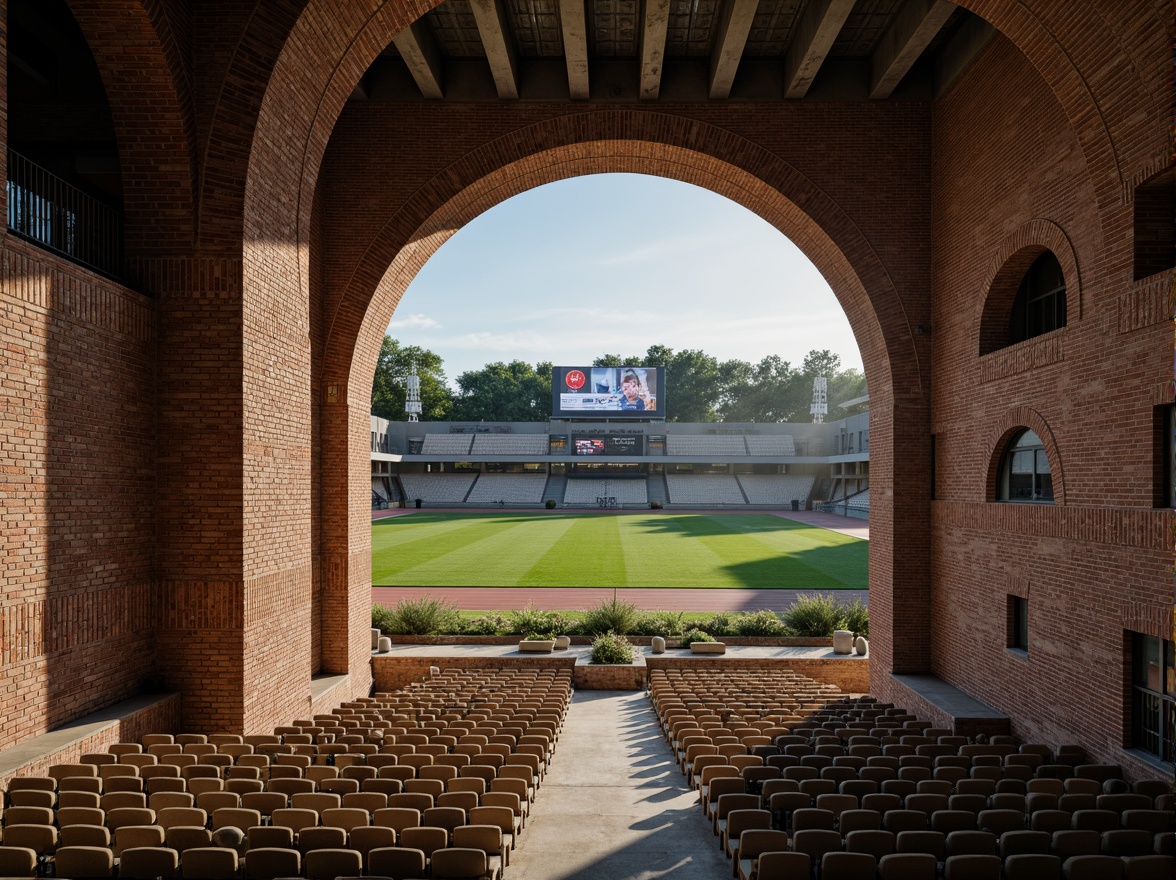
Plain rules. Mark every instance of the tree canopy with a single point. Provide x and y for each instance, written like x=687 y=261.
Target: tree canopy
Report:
x=390 y=383
x=700 y=387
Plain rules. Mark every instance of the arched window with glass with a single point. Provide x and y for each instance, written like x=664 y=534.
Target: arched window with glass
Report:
x=1040 y=304
x=1024 y=473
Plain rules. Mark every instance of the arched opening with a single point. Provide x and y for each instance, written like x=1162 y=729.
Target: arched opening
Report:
x=65 y=187
x=1040 y=304
x=1024 y=471
x=393 y=252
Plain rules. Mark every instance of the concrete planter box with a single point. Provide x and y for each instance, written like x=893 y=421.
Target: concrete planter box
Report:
x=708 y=647
x=536 y=646
x=733 y=641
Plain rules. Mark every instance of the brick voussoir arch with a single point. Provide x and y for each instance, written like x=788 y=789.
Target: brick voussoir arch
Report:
x=308 y=88
x=1014 y=420
x=1007 y=268
x=1091 y=71
x=151 y=108
x=639 y=142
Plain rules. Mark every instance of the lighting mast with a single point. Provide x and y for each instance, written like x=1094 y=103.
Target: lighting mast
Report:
x=412 y=402
x=820 y=407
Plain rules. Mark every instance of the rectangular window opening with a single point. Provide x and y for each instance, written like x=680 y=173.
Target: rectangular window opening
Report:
x=1018 y=623
x=1153 y=696
x=1155 y=226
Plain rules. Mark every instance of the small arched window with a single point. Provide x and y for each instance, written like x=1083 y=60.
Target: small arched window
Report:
x=1024 y=471
x=1040 y=305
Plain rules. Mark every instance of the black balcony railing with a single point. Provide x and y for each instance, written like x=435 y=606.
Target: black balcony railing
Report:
x=57 y=215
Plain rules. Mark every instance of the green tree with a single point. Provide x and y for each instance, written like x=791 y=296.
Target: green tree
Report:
x=514 y=392
x=615 y=360
x=771 y=392
x=390 y=388
x=694 y=387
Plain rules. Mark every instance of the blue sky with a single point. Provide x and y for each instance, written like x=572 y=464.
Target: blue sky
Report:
x=616 y=263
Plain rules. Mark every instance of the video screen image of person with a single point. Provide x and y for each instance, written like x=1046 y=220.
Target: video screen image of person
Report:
x=634 y=391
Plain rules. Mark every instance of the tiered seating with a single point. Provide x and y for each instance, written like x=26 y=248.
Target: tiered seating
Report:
x=442 y=772
x=437 y=488
x=705 y=489
x=378 y=489
x=705 y=444
x=861 y=789
x=860 y=501
x=446 y=444
x=758 y=444
x=780 y=490
x=585 y=493
x=508 y=488
x=627 y=491
x=511 y=444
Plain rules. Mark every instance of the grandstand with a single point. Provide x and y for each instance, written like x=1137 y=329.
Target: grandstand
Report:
x=603 y=464
x=707 y=490
x=758 y=444
x=509 y=444
x=438 y=488
x=705 y=445
x=446 y=444
x=778 y=491
x=510 y=489
x=588 y=492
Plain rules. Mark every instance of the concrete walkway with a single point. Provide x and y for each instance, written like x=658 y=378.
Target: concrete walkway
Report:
x=614 y=805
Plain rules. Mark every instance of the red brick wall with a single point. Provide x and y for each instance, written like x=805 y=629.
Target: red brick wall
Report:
x=1098 y=561
x=77 y=441
x=199 y=459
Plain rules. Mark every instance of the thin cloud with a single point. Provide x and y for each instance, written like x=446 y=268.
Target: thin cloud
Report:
x=414 y=322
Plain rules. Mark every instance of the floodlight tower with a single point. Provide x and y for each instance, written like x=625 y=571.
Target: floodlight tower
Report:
x=412 y=402
x=820 y=407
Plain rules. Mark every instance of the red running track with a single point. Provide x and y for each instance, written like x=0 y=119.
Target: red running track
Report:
x=583 y=598
x=646 y=599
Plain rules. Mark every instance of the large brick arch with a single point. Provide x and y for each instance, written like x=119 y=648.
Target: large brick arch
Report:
x=356 y=314
x=147 y=87
x=309 y=87
x=1081 y=58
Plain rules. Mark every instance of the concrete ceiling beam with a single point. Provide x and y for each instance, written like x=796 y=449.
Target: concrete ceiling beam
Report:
x=915 y=26
x=490 y=17
x=574 y=26
x=815 y=34
x=420 y=52
x=734 y=26
x=653 y=47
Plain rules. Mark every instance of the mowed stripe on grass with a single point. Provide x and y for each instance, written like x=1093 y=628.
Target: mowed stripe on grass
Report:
x=623 y=550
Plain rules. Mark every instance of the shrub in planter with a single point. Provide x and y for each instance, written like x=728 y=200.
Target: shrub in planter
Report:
x=721 y=624
x=695 y=635
x=815 y=616
x=759 y=623
x=856 y=617
x=382 y=619
x=550 y=504
x=655 y=505
x=425 y=616
x=659 y=623
x=611 y=648
x=531 y=623
x=487 y=625
x=611 y=615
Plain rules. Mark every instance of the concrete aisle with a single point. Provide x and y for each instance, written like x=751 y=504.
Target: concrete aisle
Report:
x=614 y=805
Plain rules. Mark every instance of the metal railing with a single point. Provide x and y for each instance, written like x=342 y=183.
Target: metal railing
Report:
x=57 y=215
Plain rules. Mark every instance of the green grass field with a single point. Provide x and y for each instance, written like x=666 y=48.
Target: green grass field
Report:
x=634 y=550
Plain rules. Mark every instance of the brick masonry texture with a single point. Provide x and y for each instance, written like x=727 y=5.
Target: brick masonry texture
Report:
x=184 y=455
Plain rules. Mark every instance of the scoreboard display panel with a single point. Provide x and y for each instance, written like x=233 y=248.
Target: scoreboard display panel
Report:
x=612 y=392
